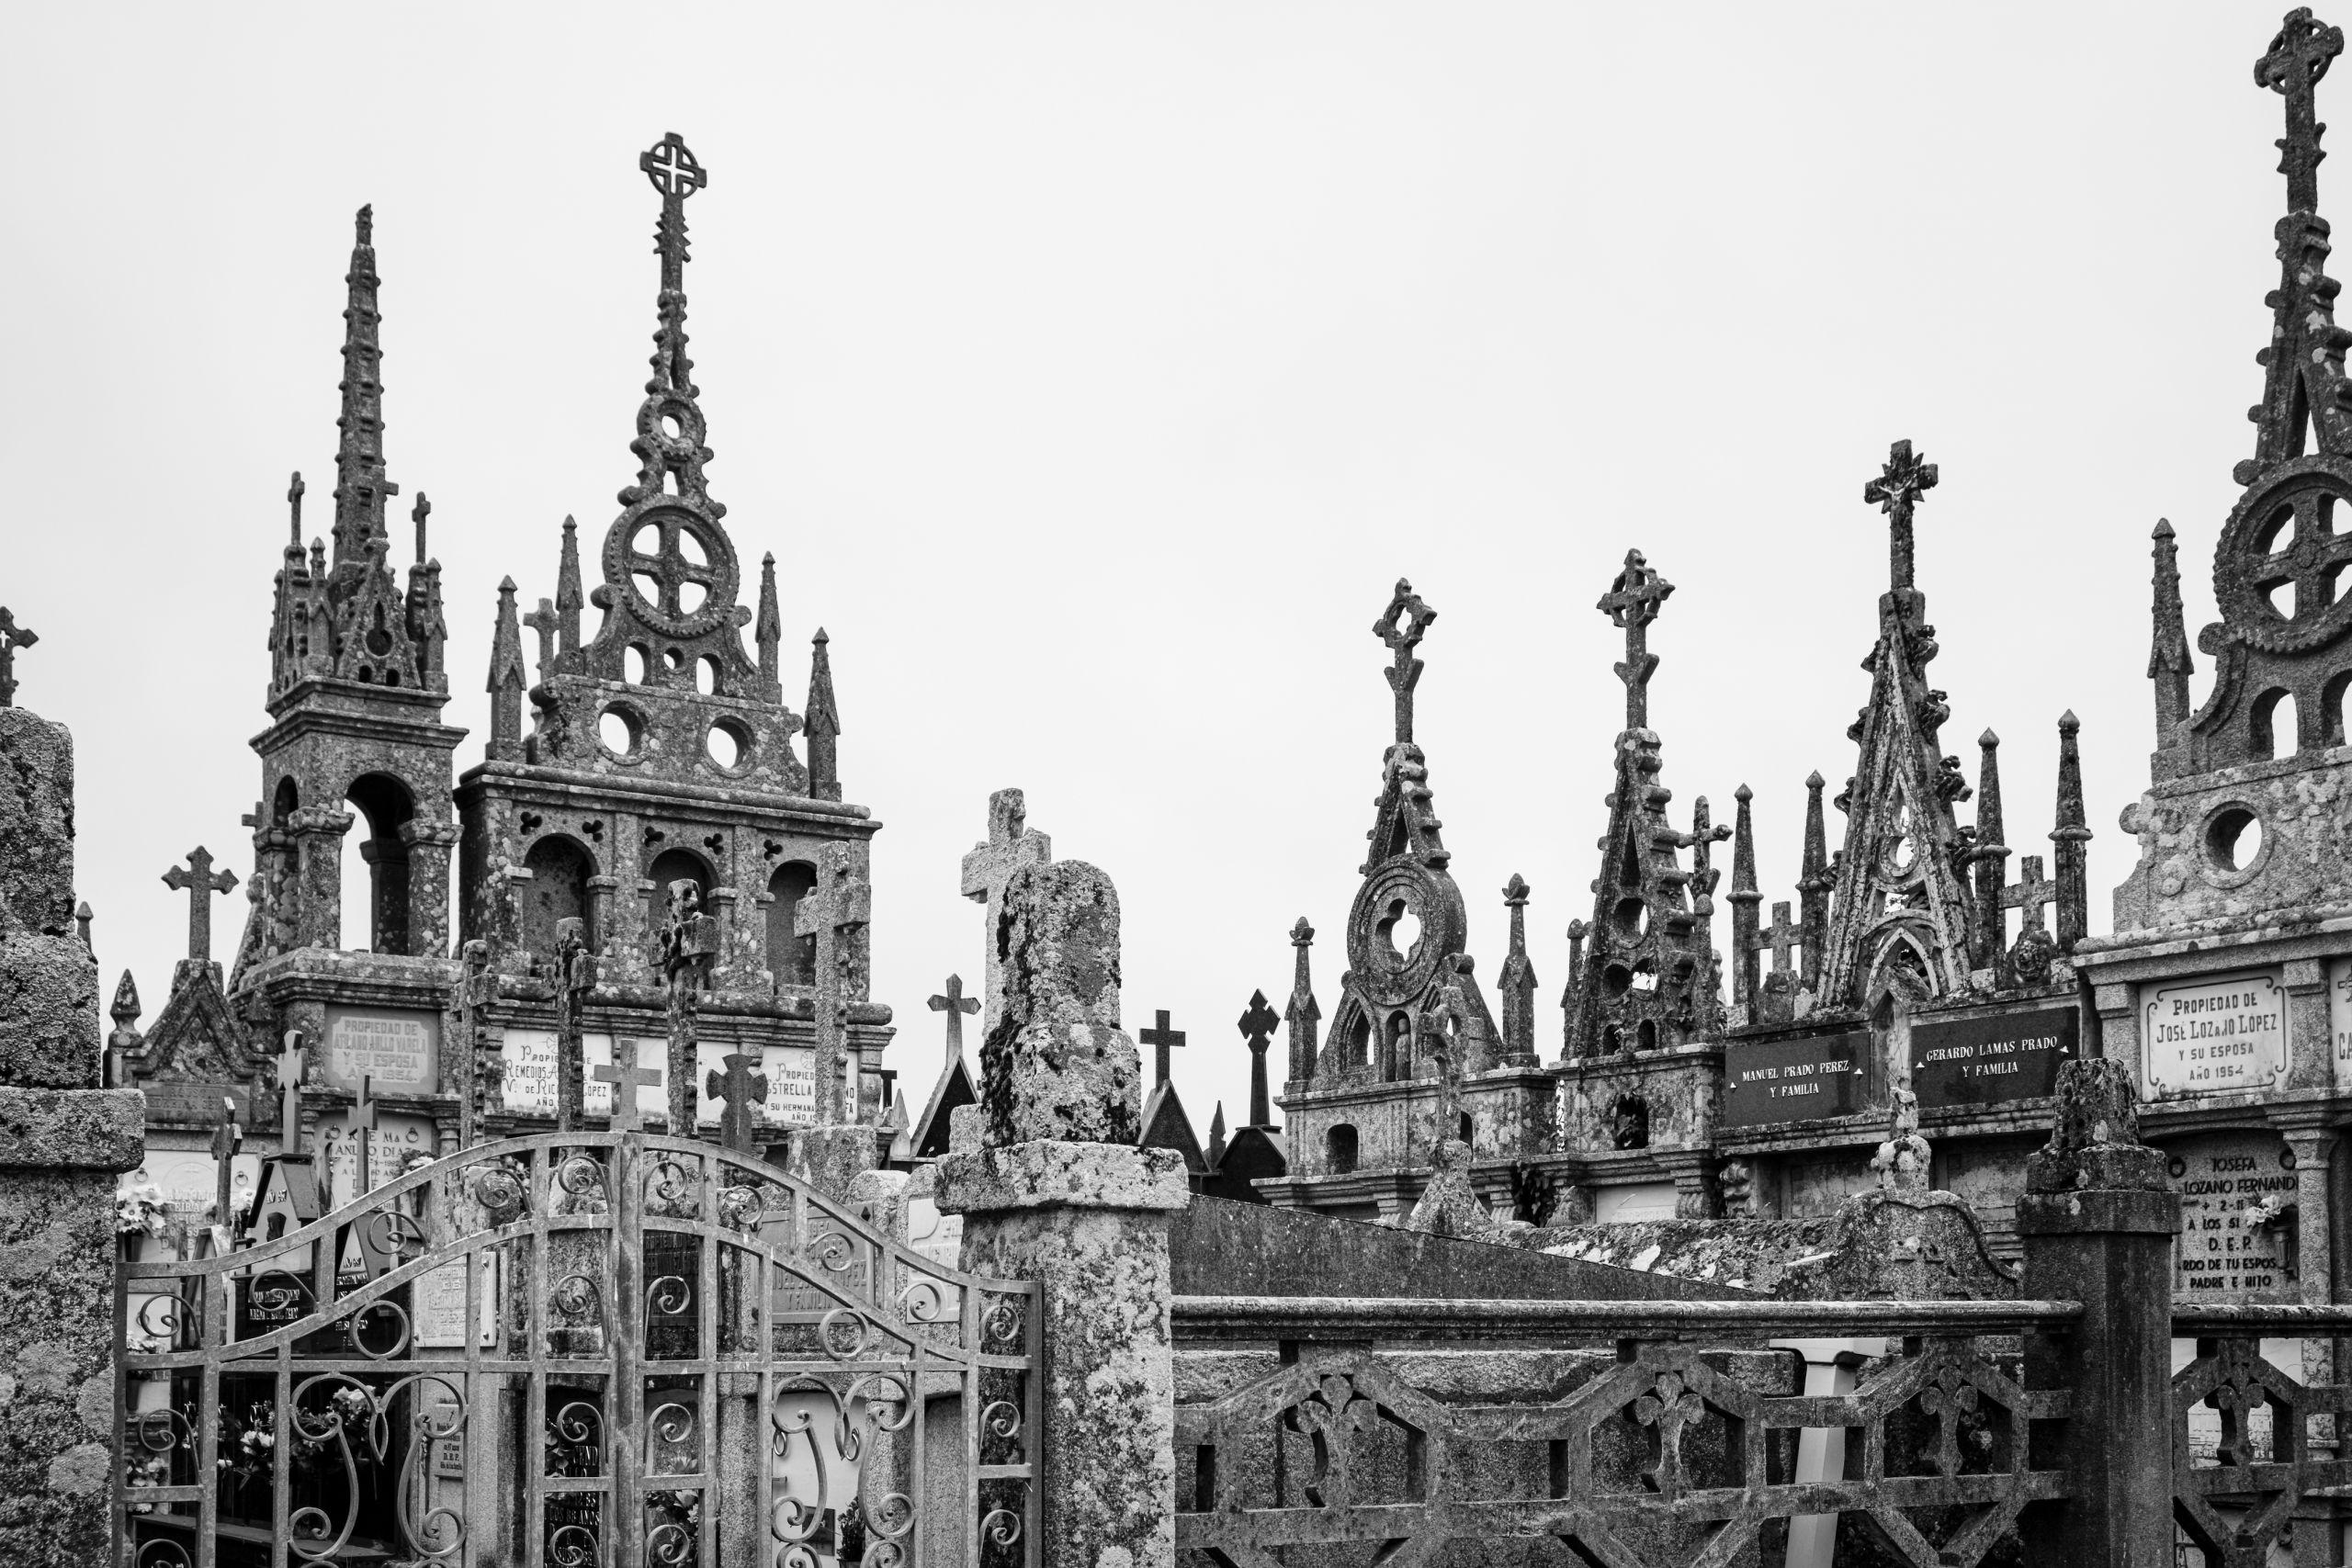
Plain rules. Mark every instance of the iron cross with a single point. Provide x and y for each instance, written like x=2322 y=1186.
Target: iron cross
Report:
x=1902 y=480
x=677 y=175
x=954 y=1004
x=359 y=1126
x=1256 y=1026
x=1632 y=604
x=1162 y=1040
x=227 y=1138
x=2292 y=67
x=1401 y=627
x=743 y=1087
x=199 y=883
x=627 y=1077
x=12 y=637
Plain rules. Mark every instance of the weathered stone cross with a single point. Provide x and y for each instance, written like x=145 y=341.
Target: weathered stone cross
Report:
x=1780 y=937
x=1162 y=1040
x=1902 y=480
x=676 y=175
x=12 y=637
x=290 y=1093
x=689 y=945
x=294 y=489
x=2031 y=893
x=1009 y=846
x=743 y=1087
x=543 y=621
x=2292 y=67
x=575 y=976
x=1632 y=604
x=626 y=1076
x=954 y=1004
x=200 y=884
x=1257 y=1027
x=837 y=907
x=1401 y=626
x=226 y=1140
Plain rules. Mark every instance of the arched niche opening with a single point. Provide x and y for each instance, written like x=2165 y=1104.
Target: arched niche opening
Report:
x=1397 y=1055
x=1340 y=1149
x=2331 y=707
x=557 y=891
x=791 y=959
x=672 y=865
x=374 y=880
x=2271 y=725
x=286 y=800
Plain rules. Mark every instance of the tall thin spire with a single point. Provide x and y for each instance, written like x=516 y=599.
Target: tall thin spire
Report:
x=1302 y=1014
x=768 y=631
x=1517 y=980
x=2169 y=665
x=1991 y=856
x=2072 y=836
x=670 y=427
x=360 y=487
x=568 y=599
x=1745 y=897
x=1815 y=885
x=507 y=679
x=824 y=723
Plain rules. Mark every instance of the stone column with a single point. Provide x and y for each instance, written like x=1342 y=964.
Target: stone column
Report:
x=1055 y=1189
x=318 y=838
x=428 y=845
x=2098 y=1221
x=63 y=1140
x=2311 y=1062
x=2314 y=1151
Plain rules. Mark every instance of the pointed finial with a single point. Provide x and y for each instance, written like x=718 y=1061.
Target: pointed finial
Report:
x=507 y=679
x=364 y=225
x=2297 y=57
x=360 y=487
x=2072 y=836
x=1215 y=1154
x=1632 y=603
x=1902 y=480
x=568 y=599
x=823 y=725
x=768 y=631
x=1401 y=627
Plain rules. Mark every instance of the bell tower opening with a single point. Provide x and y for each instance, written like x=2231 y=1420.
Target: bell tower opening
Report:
x=376 y=879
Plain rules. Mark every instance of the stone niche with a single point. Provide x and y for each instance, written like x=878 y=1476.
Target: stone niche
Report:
x=1675 y=1090
x=2237 y=1217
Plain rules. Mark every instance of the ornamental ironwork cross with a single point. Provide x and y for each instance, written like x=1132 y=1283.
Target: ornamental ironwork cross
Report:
x=199 y=883
x=1902 y=480
x=627 y=1077
x=2297 y=57
x=290 y=1093
x=677 y=175
x=2031 y=894
x=1256 y=1026
x=743 y=1087
x=1401 y=627
x=1162 y=1040
x=227 y=1138
x=954 y=1004
x=1632 y=604
x=12 y=637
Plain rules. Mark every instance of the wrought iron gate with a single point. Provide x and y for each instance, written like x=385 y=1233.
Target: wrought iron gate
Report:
x=585 y=1350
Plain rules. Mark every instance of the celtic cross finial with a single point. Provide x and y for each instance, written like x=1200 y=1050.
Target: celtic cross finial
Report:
x=1632 y=604
x=2297 y=57
x=1902 y=480
x=676 y=175
x=1401 y=627
x=12 y=637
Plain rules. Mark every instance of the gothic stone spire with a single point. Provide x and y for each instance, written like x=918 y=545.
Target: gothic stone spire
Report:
x=1301 y=1015
x=824 y=723
x=1902 y=914
x=360 y=487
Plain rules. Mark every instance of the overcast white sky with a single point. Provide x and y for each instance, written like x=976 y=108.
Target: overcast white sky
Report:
x=1093 y=371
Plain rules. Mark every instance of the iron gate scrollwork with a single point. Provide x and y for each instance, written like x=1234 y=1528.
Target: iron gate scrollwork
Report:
x=578 y=1350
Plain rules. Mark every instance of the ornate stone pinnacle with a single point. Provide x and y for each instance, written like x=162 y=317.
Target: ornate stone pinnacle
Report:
x=1400 y=627
x=1902 y=480
x=2297 y=57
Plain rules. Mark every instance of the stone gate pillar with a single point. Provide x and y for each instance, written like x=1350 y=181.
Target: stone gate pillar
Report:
x=2098 y=1220
x=62 y=1140
x=1055 y=1190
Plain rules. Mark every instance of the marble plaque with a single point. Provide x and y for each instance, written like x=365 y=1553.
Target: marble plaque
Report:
x=1805 y=1079
x=792 y=1084
x=2340 y=1017
x=190 y=1176
x=390 y=1144
x=1641 y=1200
x=438 y=1306
x=2214 y=1036
x=1988 y=1060
x=2222 y=1255
x=400 y=1050
x=529 y=1086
